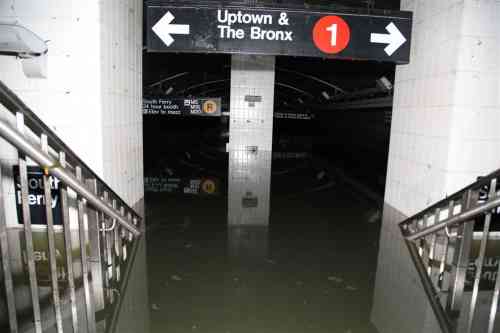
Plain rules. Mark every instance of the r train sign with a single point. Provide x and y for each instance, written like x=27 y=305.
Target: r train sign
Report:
x=181 y=27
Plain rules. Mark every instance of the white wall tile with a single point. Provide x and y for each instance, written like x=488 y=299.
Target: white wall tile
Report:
x=442 y=136
x=84 y=93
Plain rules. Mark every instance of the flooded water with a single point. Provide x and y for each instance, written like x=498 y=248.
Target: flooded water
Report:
x=246 y=241
x=312 y=270
x=305 y=262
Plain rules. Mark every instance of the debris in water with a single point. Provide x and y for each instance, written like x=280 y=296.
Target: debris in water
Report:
x=351 y=288
x=299 y=283
x=186 y=223
x=271 y=261
x=169 y=171
x=335 y=279
x=188 y=245
x=176 y=278
x=375 y=216
x=155 y=307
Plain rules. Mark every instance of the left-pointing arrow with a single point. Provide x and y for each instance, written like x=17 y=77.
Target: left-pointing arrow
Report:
x=165 y=29
x=394 y=39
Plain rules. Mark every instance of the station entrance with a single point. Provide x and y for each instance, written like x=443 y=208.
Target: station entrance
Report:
x=267 y=163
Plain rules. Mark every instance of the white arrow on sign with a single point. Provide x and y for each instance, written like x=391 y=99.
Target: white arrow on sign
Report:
x=394 y=39
x=164 y=29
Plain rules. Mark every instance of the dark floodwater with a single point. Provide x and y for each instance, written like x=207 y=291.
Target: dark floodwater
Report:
x=309 y=267
x=246 y=242
x=312 y=269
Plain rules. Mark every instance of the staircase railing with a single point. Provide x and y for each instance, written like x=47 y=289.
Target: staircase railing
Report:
x=81 y=273
x=449 y=243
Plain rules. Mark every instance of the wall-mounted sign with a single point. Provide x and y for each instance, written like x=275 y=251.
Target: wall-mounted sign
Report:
x=294 y=115
x=296 y=32
x=282 y=155
x=41 y=257
x=210 y=107
x=490 y=263
x=36 y=196
x=250 y=201
x=205 y=186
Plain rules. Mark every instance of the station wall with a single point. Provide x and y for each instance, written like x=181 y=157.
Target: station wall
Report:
x=444 y=134
x=92 y=96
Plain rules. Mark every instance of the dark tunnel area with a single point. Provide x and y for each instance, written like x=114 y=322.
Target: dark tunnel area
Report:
x=313 y=267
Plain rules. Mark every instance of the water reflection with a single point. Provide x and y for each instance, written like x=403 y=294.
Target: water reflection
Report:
x=220 y=258
x=234 y=263
x=248 y=204
x=249 y=187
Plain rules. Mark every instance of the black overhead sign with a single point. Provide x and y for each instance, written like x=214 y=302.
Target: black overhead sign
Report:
x=271 y=31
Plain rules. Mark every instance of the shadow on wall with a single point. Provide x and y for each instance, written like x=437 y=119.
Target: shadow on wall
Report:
x=134 y=312
x=399 y=301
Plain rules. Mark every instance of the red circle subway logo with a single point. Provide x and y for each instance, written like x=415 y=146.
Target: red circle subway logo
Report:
x=331 y=34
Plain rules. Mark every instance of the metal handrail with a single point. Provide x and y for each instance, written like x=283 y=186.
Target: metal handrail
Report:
x=430 y=243
x=15 y=105
x=103 y=252
x=480 y=183
x=464 y=216
x=35 y=153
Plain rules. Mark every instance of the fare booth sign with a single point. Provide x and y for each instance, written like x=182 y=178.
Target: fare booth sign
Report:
x=173 y=27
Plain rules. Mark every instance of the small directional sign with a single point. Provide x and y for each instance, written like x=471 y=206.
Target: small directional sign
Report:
x=160 y=106
x=363 y=35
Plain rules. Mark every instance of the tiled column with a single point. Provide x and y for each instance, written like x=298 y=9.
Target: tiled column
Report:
x=252 y=100
x=250 y=139
x=249 y=187
x=444 y=135
x=250 y=152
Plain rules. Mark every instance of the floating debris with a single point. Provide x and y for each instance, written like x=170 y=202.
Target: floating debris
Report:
x=155 y=307
x=176 y=278
x=271 y=261
x=375 y=216
x=188 y=245
x=185 y=224
x=351 y=288
x=299 y=283
x=335 y=279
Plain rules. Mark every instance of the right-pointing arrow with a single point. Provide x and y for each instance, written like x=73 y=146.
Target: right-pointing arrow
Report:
x=394 y=39
x=164 y=29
